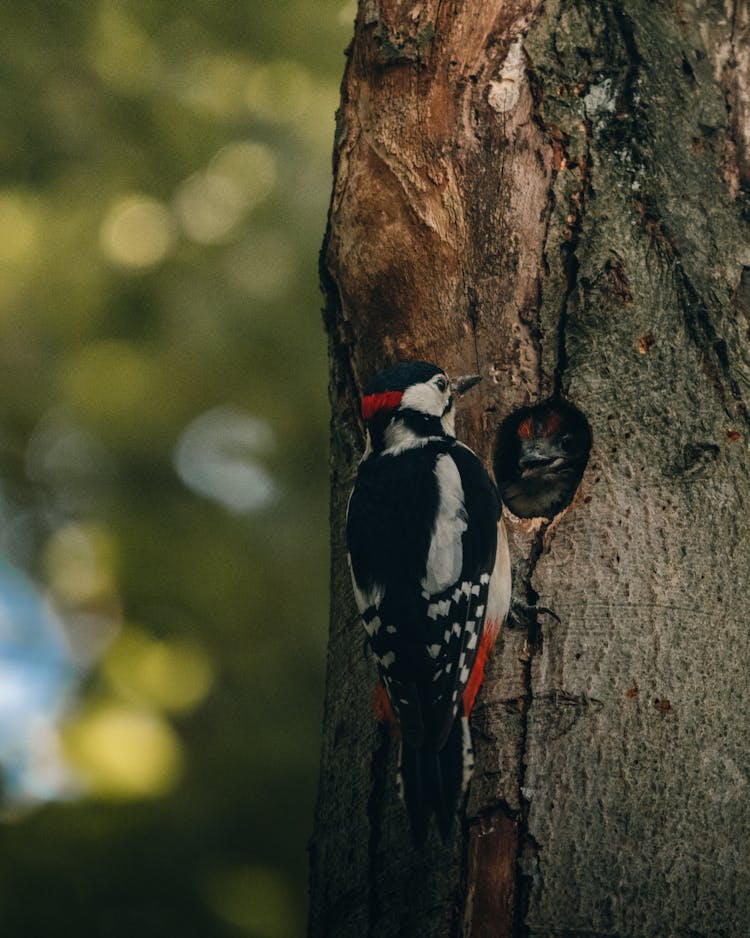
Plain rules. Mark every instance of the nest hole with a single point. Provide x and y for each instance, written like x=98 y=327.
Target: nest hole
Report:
x=540 y=454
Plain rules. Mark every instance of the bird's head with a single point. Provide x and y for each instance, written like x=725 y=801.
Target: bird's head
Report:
x=409 y=402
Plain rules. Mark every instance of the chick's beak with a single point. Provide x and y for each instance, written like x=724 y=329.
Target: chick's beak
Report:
x=461 y=385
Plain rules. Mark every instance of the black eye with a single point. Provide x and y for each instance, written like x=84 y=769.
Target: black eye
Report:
x=442 y=384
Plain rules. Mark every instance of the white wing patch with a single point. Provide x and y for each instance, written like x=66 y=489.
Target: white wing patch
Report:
x=467 y=755
x=498 y=600
x=365 y=599
x=445 y=556
x=440 y=608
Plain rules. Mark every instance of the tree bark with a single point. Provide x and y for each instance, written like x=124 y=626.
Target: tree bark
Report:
x=557 y=194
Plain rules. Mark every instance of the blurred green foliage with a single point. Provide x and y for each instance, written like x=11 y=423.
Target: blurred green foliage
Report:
x=165 y=173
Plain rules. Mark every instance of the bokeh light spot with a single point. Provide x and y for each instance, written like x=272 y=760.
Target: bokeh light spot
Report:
x=254 y=899
x=172 y=675
x=280 y=91
x=121 y=53
x=122 y=752
x=137 y=232
x=251 y=166
x=68 y=459
x=108 y=379
x=216 y=456
x=215 y=84
x=19 y=226
x=79 y=560
x=209 y=206
x=262 y=266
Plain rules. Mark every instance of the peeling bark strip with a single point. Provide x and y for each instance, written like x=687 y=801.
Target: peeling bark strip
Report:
x=557 y=195
x=491 y=876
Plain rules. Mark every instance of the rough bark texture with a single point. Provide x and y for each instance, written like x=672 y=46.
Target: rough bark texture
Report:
x=557 y=193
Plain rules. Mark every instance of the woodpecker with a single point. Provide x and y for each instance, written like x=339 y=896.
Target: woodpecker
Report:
x=430 y=567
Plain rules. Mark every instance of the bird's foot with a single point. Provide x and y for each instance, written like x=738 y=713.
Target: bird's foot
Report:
x=521 y=612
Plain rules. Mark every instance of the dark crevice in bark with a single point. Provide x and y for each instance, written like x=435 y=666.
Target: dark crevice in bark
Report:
x=343 y=382
x=635 y=61
x=523 y=575
x=533 y=647
x=570 y=262
x=473 y=310
x=460 y=922
x=537 y=332
x=499 y=827
x=697 y=316
x=630 y=128
x=571 y=267
x=534 y=641
x=332 y=308
x=713 y=347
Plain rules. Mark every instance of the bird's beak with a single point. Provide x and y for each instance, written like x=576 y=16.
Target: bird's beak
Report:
x=461 y=385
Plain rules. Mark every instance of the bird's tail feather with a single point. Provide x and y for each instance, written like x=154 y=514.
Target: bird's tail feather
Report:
x=434 y=781
x=414 y=790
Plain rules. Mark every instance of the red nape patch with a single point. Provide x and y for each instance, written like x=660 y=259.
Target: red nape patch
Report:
x=526 y=429
x=477 y=672
x=381 y=707
x=552 y=424
x=388 y=400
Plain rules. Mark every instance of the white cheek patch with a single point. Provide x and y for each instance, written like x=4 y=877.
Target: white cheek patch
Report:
x=425 y=398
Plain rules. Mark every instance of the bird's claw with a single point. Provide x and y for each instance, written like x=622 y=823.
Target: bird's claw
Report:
x=521 y=611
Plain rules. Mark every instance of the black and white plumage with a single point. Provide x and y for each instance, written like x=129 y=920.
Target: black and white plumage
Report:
x=431 y=576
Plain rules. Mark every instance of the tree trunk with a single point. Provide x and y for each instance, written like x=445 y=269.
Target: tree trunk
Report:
x=557 y=194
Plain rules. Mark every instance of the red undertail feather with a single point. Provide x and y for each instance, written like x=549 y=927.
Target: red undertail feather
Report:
x=381 y=707
x=489 y=635
x=372 y=403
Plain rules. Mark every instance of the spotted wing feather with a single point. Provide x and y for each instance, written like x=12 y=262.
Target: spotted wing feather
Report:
x=462 y=608
x=458 y=628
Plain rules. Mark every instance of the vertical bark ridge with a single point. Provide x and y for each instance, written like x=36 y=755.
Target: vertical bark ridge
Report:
x=534 y=647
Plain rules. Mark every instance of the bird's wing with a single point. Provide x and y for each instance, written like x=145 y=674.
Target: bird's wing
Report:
x=458 y=612
x=423 y=607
